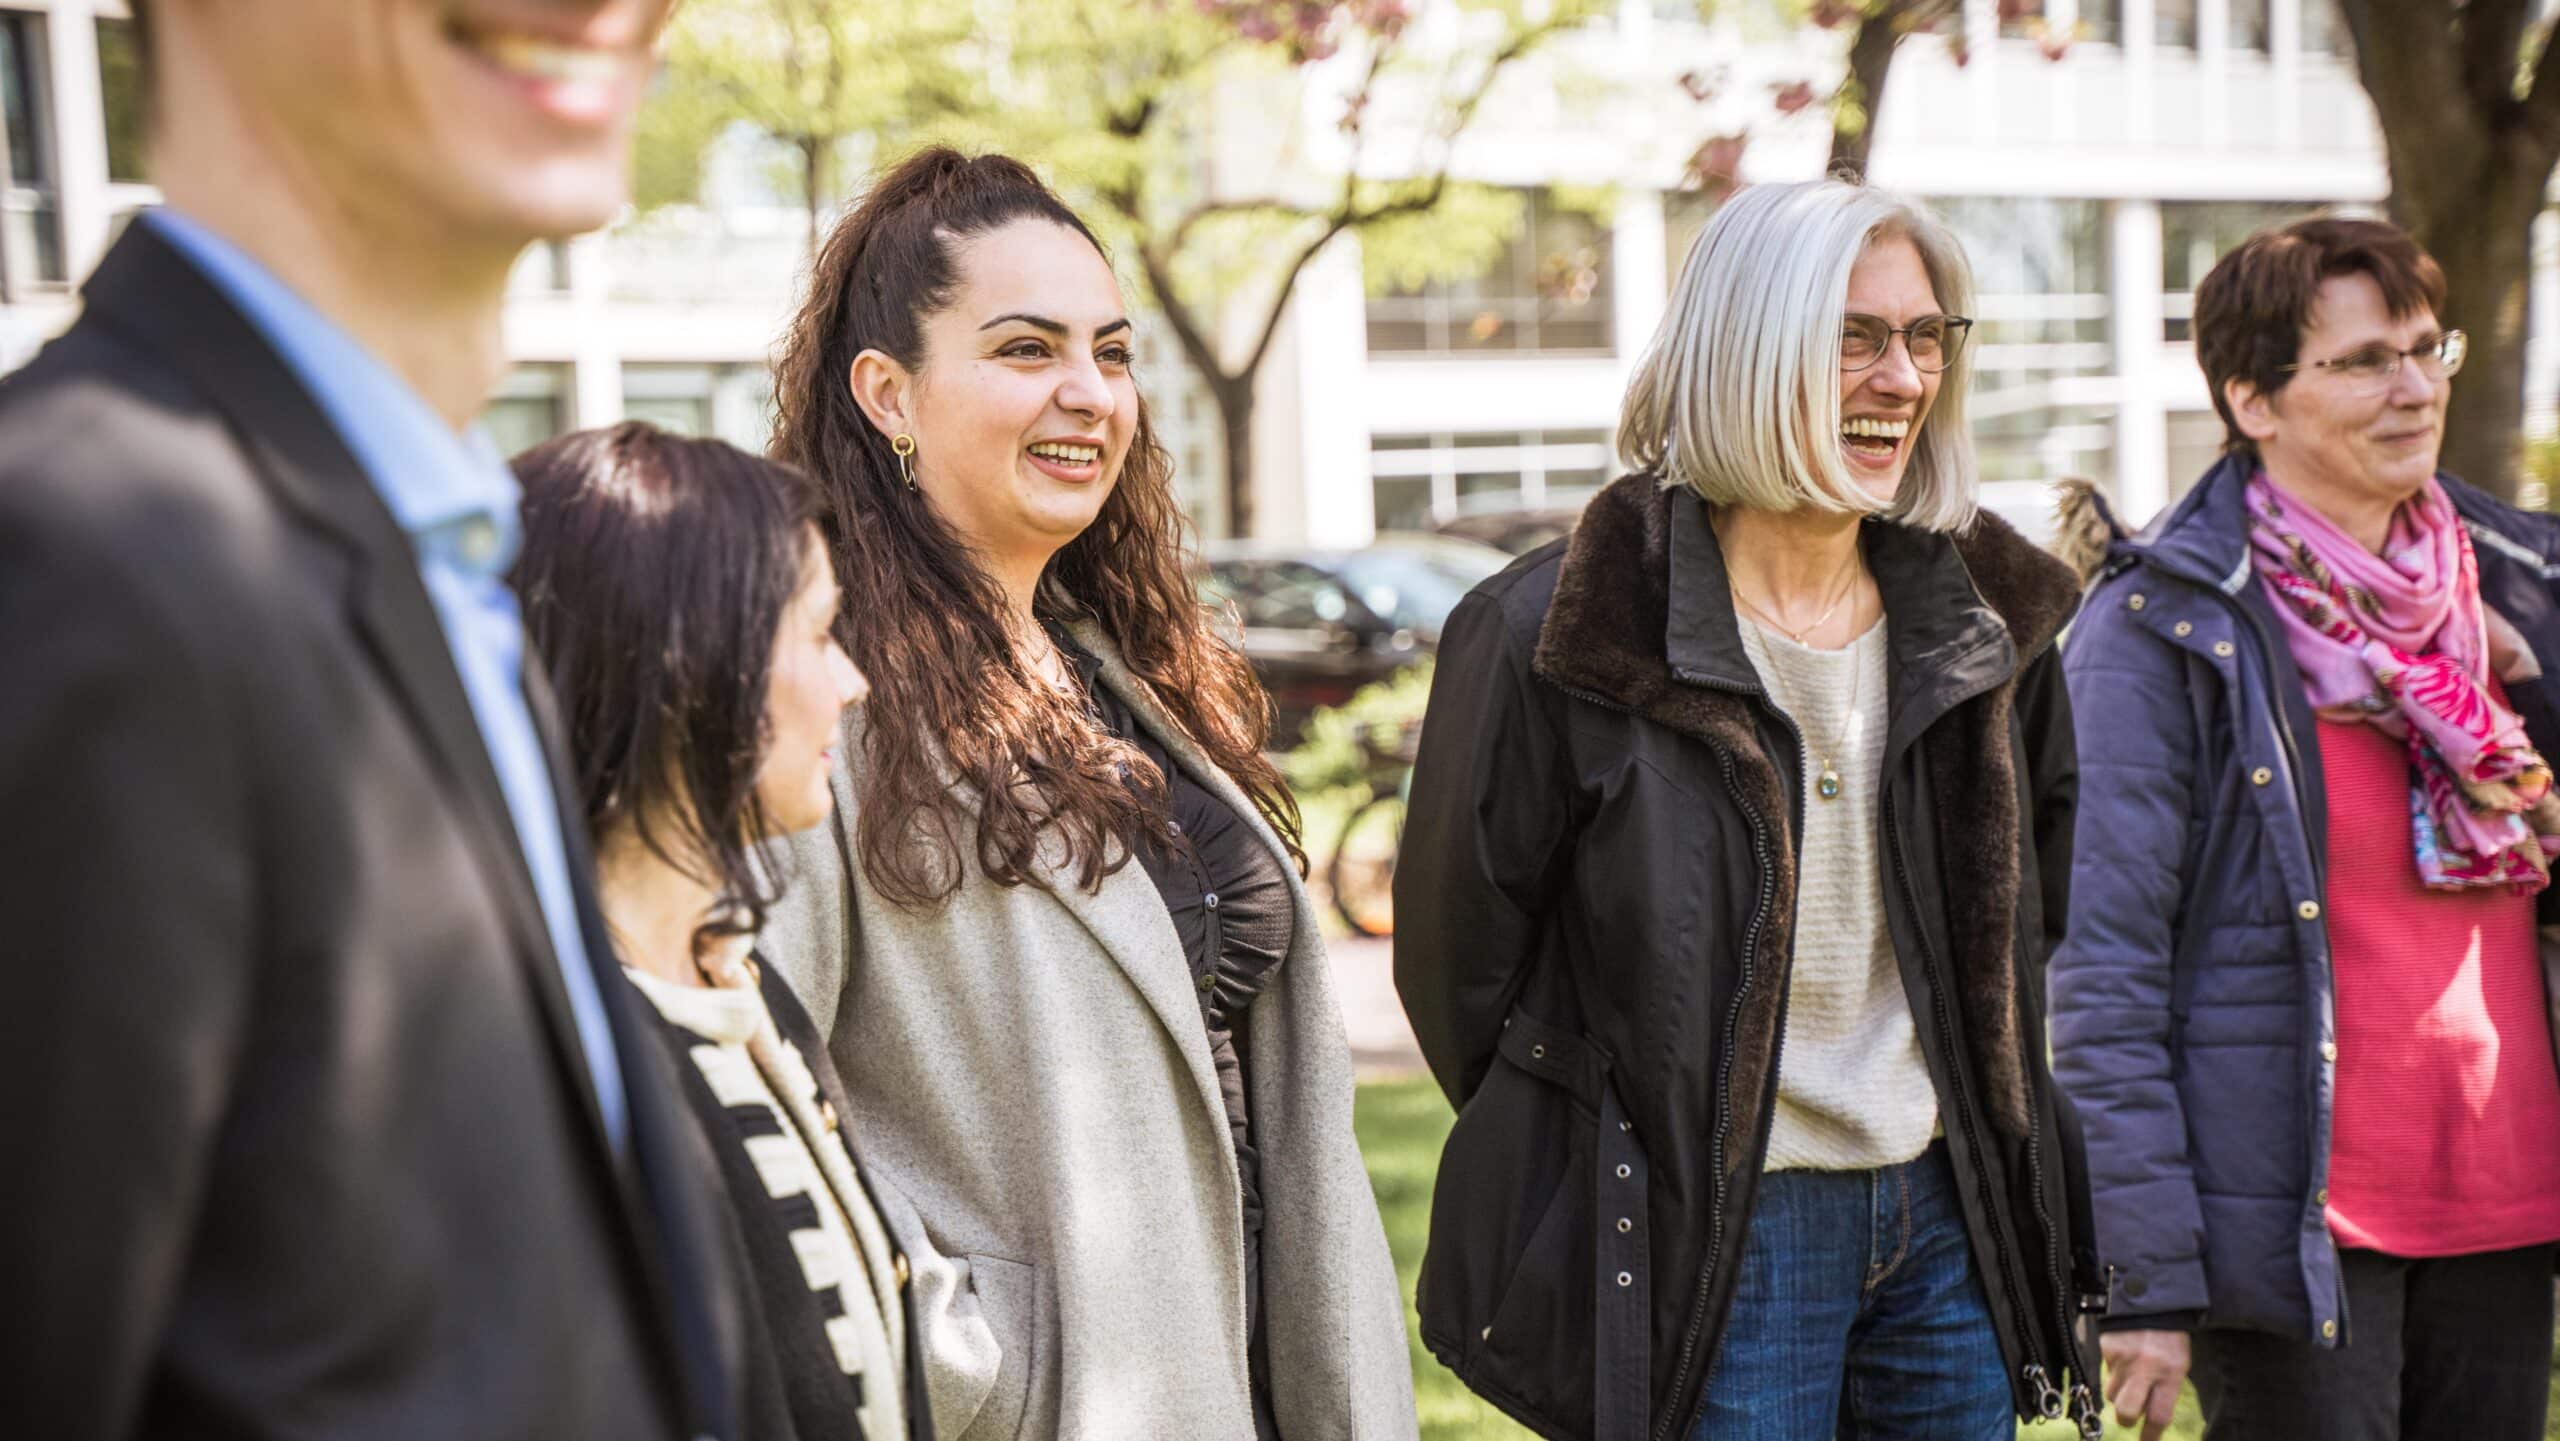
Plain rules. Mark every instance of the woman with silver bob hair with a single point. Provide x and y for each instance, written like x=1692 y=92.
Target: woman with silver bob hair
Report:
x=1735 y=848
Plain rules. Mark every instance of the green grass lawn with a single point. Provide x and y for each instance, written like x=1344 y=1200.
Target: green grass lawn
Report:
x=1401 y=1125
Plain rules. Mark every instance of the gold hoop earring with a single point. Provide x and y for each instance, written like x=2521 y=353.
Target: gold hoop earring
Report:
x=902 y=446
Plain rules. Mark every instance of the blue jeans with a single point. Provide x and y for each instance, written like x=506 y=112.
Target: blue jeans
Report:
x=1858 y=1315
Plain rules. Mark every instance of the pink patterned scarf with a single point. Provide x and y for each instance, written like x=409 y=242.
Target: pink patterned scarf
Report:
x=2400 y=641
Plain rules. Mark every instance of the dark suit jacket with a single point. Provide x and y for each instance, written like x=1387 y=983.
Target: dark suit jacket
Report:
x=299 y=1137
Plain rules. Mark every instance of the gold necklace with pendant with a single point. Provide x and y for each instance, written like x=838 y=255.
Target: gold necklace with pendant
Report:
x=1827 y=784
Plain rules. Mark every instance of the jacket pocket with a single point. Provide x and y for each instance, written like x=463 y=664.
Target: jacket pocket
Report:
x=990 y=1404
x=1507 y=1279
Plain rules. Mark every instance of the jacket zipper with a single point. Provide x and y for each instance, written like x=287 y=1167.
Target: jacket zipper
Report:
x=1764 y=872
x=2291 y=753
x=2317 y=846
x=2050 y=1402
x=2034 y=1371
x=1695 y=1329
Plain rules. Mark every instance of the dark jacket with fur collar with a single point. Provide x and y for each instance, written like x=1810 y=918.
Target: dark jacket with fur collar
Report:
x=1594 y=925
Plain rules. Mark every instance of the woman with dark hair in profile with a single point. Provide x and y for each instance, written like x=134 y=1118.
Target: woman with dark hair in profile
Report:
x=1077 y=990
x=685 y=607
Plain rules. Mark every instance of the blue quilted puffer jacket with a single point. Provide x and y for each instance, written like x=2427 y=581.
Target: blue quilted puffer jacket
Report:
x=2191 y=997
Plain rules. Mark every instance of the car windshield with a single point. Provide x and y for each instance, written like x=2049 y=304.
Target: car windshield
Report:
x=1413 y=587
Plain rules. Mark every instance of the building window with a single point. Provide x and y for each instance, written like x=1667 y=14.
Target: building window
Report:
x=1186 y=422
x=2042 y=321
x=2324 y=28
x=728 y=402
x=2249 y=29
x=120 y=90
x=1548 y=291
x=2035 y=446
x=541 y=269
x=1418 y=481
x=2101 y=22
x=30 y=210
x=529 y=407
x=2195 y=440
x=2040 y=290
x=2173 y=24
x=2195 y=234
x=1684 y=216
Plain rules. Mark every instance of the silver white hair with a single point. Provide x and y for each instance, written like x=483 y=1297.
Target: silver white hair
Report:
x=1737 y=395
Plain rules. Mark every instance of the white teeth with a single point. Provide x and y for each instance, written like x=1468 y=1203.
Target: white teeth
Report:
x=1870 y=428
x=543 y=60
x=1067 y=454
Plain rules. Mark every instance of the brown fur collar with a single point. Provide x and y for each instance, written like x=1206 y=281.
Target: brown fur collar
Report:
x=1987 y=597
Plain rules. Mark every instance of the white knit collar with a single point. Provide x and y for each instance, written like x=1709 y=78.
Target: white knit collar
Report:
x=715 y=1013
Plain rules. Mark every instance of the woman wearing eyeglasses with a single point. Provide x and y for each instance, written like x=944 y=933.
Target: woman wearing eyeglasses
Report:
x=2301 y=1009
x=1736 y=837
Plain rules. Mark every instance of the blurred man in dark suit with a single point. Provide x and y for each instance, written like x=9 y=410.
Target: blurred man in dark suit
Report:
x=323 y=1114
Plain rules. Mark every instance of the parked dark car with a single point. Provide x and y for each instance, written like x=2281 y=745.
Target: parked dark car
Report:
x=1513 y=532
x=1319 y=624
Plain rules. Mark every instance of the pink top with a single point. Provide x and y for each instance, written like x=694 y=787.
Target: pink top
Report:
x=2445 y=1125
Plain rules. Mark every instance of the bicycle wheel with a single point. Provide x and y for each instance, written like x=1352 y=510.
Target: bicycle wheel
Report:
x=1362 y=872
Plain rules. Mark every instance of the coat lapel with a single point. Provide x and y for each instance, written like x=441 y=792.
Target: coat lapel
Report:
x=662 y=1195
x=153 y=297
x=1141 y=700
x=148 y=292
x=1127 y=917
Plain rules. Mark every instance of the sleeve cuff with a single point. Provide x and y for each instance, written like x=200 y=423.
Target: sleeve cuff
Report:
x=2154 y=1321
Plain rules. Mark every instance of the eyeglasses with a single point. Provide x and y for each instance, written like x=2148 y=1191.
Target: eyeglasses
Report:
x=2370 y=369
x=1931 y=341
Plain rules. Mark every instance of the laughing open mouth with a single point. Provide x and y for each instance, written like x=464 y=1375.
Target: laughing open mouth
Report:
x=1873 y=437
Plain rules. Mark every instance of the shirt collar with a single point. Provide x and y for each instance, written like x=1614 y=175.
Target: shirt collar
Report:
x=452 y=492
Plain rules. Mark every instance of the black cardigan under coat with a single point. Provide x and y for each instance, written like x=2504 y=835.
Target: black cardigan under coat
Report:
x=792 y=1388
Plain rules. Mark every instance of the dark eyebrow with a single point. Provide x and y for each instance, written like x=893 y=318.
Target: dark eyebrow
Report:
x=1036 y=322
x=1052 y=327
x=2385 y=342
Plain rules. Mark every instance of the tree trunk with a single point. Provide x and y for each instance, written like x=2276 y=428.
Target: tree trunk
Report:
x=2486 y=249
x=1234 y=398
x=2469 y=160
x=1870 y=63
x=2484 y=244
x=815 y=181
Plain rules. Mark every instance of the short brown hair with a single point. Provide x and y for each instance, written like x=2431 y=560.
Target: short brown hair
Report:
x=2254 y=305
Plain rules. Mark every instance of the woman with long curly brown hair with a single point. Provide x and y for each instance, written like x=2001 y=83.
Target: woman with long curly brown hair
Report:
x=1076 y=989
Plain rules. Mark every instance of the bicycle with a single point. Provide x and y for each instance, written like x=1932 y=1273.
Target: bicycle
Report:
x=1362 y=869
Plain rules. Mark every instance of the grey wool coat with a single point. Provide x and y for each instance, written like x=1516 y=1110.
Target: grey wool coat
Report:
x=1028 y=1067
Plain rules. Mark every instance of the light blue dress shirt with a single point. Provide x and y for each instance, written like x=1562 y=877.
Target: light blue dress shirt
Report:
x=460 y=505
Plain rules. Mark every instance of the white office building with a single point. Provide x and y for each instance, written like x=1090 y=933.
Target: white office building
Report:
x=2092 y=191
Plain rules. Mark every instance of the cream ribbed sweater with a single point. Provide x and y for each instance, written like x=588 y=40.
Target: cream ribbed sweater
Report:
x=1853 y=1091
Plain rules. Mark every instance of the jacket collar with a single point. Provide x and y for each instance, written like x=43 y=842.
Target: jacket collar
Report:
x=1966 y=611
x=2203 y=538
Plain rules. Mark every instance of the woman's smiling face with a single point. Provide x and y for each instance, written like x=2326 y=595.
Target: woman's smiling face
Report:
x=1883 y=405
x=1025 y=407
